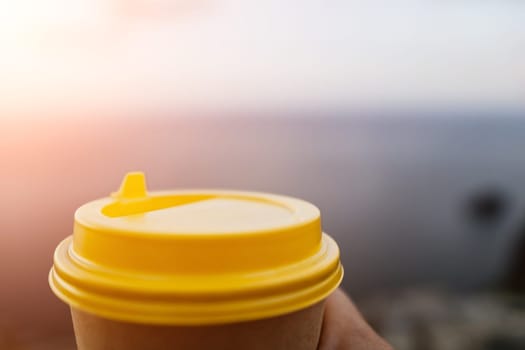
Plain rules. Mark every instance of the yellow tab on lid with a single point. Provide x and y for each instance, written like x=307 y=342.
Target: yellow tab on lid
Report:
x=133 y=186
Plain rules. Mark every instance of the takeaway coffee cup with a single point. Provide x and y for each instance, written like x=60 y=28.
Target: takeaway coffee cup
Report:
x=197 y=270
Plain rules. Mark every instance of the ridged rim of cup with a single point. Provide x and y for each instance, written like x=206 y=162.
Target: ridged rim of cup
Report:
x=265 y=293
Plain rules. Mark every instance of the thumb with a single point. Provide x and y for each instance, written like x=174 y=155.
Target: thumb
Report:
x=345 y=329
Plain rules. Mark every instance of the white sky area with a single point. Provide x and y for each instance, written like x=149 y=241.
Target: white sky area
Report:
x=60 y=56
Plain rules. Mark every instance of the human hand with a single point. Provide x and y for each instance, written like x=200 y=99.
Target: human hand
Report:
x=345 y=329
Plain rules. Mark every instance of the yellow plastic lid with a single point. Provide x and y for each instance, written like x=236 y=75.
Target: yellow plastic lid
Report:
x=194 y=257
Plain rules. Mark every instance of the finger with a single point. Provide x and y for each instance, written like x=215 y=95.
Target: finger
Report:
x=345 y=329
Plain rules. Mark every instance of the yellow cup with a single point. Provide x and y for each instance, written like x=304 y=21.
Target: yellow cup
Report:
x=194 y=259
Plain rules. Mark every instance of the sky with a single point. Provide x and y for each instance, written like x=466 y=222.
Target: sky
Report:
x=103 y=56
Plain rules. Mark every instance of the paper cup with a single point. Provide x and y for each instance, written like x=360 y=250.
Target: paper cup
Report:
x=299 y=330
x=204 y=269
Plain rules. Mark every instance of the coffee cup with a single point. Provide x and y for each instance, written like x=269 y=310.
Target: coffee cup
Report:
x=196 y=269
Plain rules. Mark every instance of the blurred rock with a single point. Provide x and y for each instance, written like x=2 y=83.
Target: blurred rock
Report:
x=434 y=320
